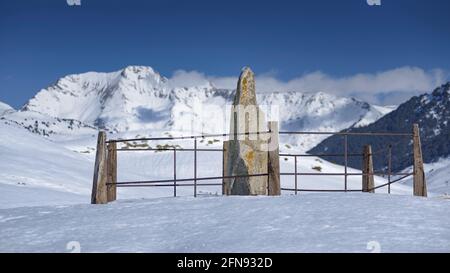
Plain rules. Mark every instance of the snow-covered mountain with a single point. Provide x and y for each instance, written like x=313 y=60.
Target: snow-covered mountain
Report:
x=107 y=100
x=319 y=112
x=45 y=125
x=431 y=111
x=5 y=109
x=138 y=98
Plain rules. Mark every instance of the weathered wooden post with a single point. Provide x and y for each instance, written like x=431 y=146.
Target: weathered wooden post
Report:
x=274 y=160
x=367 y=179
x=420 y=185
x=99 y=195
x=225 y=181
x=112 y=172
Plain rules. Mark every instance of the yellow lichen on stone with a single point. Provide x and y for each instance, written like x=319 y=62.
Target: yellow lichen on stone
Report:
x=244 y=86
x=249 y=158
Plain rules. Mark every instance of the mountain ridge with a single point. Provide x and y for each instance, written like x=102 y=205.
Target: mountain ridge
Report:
x=139 y=98
x=430 y=110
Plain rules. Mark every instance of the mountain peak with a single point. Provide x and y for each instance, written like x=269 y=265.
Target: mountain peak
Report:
x=437 y=96
x=139 y=69
x=445 y=88
x=141 y=72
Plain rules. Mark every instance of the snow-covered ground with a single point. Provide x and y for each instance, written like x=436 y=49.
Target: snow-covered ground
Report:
x=35 y=171
x=344 y=222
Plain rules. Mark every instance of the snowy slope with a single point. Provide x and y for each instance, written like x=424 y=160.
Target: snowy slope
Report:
x=5 y=109
x=437 y=175
x=53 y=127
x=310 y=223
x=139 y=98
x=35 y=171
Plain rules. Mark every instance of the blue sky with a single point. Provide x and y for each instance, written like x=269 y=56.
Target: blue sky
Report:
x=379 y=53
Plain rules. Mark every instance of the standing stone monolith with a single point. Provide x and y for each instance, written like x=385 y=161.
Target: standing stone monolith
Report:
x=245 y=151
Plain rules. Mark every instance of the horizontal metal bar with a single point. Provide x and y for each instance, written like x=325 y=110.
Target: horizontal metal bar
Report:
x=317 y=190
x=374 y=188
x=163 y=185
x=390 y=183
x=171 y=182
x=259 y=133
x=393 y=174
x=240 y=176
x=185 y=137
x=187 y=179
x=318 y=174
x=318 y=155
x=306 y=174
x=170 y=149
x=338 y=174
x=347 y=133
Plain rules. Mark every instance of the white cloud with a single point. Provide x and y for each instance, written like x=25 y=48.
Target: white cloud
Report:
x=386 y=87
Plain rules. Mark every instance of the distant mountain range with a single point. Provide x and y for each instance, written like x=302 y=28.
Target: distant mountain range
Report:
x=432 y=113
x=137 y=98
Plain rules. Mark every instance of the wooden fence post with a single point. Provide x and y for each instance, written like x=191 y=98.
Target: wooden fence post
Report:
x=99 y=195
x=112 y=172
x=367 y=179
x=225 y=181
x=420 y=185
x=274 y=187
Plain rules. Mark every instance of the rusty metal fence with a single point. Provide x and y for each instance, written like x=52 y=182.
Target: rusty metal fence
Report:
x=195 y=181
x=346 y=155
x=110 y=171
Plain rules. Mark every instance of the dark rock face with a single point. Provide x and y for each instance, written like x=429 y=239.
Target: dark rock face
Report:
x=430 y=111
